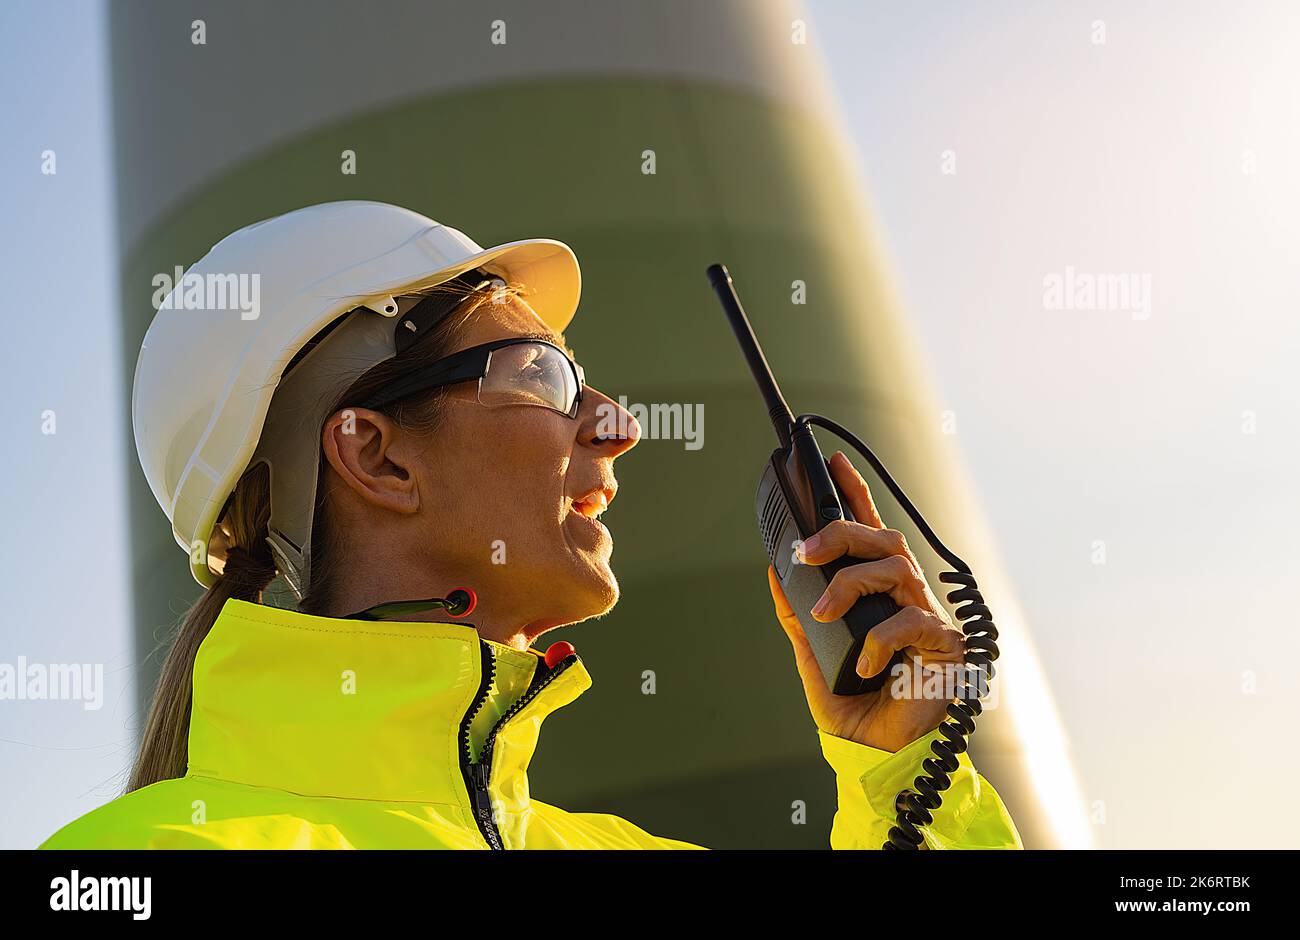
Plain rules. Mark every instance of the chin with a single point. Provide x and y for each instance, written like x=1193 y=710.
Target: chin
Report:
x=590 y=588
x=592 y=591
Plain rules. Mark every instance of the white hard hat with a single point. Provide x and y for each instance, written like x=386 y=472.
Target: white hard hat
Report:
x=217 y=350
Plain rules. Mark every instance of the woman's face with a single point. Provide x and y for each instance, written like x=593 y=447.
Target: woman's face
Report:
x=509 y=494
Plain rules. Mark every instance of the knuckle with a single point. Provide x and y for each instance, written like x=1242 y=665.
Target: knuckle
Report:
x=894 y=541
x=834 y=531
x=900 y=629
x=846 y=579
x=884 y=636
x=916 y=617
x=937 y=625
x=900 y=625
x=899 y=567
x=944 y=632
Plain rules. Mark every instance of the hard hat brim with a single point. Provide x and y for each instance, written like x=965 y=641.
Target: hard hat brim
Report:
x=548 y=270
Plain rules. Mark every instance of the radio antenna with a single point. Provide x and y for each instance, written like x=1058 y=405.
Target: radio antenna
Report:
x=780 y=413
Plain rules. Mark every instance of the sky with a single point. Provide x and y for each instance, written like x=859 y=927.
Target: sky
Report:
x=1134 y=453
x=63 y=567
x=1138 y=465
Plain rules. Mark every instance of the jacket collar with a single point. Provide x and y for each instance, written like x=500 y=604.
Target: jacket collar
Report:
x=368 y=710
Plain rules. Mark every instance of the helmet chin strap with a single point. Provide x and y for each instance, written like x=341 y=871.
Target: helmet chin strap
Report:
x=290 y=443
x=458 y=603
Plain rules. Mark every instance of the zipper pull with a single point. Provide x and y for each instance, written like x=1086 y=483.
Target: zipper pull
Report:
x=478 y=775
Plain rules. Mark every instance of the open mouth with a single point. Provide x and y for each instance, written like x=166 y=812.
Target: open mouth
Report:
x=594 y=503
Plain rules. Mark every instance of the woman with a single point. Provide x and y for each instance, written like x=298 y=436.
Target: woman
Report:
x=399 y=417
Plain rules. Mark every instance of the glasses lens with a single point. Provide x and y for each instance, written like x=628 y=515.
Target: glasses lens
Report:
x=529 y=374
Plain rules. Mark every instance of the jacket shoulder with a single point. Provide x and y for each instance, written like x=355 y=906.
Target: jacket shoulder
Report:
x=158 y=816
x=554 y=828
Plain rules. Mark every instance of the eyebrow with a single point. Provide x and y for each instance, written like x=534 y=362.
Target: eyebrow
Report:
x=550 y=337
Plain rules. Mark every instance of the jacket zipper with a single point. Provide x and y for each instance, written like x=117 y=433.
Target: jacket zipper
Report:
x=475 y=786
x=478 y=773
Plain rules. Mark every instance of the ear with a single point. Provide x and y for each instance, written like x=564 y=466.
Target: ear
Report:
x=370 y=453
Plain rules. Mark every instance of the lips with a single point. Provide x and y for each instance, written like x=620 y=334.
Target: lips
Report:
x=593 y=503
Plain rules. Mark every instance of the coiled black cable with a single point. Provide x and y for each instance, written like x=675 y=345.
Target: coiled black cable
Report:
x=916 y=806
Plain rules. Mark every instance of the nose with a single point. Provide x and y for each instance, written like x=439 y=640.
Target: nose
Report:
x=605 y=425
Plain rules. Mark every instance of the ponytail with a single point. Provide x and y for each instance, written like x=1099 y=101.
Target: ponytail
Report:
x=249 y=568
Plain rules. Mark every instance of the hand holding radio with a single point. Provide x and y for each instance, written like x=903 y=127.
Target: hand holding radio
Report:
x=895 y=714
x=872 y=603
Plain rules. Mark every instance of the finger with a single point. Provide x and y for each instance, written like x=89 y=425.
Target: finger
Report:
x=896 y=576
x=938 y=657
x=925 y=631
x=784 y=611
x=856 y=492
x=810 y=673
x=851 y=538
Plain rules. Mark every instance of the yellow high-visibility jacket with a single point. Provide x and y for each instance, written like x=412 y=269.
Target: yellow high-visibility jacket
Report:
x=315 y=732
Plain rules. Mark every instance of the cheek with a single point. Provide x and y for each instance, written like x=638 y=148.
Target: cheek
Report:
x=504 y=477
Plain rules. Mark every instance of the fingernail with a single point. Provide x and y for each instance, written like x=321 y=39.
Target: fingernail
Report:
x=823 y=602
x=864 y=667
x=810 y=544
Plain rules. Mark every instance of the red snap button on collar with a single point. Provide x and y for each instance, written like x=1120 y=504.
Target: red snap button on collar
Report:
x=557 y=652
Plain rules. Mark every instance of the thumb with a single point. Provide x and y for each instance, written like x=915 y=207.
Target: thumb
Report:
x=810 y=673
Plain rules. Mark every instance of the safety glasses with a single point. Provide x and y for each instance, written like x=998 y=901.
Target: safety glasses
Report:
x=517 y=371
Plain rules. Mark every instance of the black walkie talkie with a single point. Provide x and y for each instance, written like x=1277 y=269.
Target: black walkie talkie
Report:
x=797 y=497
